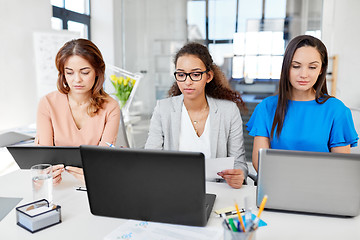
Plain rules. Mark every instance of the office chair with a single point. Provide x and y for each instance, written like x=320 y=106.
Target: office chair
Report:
x=253 y=177
x=122 y=140
x=355 y=112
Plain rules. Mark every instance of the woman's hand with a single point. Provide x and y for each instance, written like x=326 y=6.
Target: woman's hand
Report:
x=78 y=173
x=56 y=172
x=233 y=177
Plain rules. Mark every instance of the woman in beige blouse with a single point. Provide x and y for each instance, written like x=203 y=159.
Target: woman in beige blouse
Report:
x=80 y=112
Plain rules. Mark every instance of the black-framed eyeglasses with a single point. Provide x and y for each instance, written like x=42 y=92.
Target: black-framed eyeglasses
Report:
x=194 y=76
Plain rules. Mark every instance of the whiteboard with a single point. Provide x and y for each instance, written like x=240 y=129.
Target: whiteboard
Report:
x=46 y=46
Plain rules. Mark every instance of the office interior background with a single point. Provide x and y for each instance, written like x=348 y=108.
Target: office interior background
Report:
x=247 y=38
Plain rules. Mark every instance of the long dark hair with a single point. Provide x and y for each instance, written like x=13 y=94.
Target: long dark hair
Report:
x=219 y=86
x=321 y=93
x=86 y=49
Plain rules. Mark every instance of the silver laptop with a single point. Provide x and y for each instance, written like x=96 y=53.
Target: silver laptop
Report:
x=312 y=182
x=10 y=138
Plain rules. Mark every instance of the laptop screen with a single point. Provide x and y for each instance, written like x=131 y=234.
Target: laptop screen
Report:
x=313 y=182
x=152 y=185
x=28 y=156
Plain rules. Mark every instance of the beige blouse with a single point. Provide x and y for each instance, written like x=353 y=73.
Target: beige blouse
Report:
x=56 y=126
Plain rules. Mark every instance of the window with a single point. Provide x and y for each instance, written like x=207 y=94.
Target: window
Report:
x=73 y=15
x=259 y=50
x=241 y=32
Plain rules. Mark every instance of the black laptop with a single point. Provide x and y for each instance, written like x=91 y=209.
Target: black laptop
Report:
x=151 y=185
x=28 y=156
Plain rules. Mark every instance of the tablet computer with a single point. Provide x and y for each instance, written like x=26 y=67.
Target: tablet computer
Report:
x=28 y=156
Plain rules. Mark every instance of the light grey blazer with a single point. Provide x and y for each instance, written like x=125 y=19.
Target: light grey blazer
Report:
x=226 y=131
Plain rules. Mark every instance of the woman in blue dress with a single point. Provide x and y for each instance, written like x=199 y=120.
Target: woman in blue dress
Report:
x=303 y=116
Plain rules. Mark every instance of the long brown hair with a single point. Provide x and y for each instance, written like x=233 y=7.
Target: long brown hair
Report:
x=219 y=87
x=284 y=91
x=86 y=49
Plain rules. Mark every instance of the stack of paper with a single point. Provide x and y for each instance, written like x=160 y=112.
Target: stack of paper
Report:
x=135 y=230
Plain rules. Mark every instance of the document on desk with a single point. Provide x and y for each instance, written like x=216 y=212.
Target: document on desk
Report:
x=136 y=230
x=215 y=165
x=6 y=205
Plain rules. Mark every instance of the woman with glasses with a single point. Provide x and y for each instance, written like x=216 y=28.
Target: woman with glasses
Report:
x=202 y=113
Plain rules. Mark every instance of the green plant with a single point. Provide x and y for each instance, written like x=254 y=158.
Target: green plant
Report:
x=123 y=87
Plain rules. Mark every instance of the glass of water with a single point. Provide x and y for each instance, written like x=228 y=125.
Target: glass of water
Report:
x=42 y=182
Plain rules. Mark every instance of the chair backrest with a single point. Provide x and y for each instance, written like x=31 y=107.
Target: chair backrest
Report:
x=122 y=140
x=356 y=117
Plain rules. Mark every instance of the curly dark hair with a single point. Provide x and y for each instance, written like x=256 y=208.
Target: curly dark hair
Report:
x=219 y=87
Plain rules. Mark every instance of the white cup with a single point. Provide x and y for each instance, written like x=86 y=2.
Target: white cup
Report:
x=42 y=182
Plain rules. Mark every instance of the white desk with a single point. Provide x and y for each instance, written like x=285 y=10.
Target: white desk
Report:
x=79 y=223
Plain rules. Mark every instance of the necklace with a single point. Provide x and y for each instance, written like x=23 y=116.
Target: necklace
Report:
x=200 y=116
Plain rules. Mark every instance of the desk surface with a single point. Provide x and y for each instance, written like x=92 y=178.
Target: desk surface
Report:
x=79 y=223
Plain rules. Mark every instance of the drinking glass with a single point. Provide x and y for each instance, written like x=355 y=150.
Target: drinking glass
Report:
x=42 y=182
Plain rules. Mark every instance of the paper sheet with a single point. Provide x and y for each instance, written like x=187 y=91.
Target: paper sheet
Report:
x=136 y=230
x=6 y=205
x=215 y=165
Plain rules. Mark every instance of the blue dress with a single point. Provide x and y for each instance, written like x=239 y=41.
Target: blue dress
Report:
x=308 y=126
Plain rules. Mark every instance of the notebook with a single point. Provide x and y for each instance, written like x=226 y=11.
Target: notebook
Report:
x=9 y=138
x=312 y=182
x=151 y=185
x=28 y=156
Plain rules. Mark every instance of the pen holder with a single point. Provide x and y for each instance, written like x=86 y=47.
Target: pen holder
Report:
x=231 y=235
x=38 y=215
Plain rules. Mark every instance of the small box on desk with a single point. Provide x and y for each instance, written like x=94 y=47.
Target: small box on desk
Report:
x=38 y=215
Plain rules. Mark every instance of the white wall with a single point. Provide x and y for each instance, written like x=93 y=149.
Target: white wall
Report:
x=103 y=32
x=18 y=20
x=341 y=34
x=102 y=28
x=145 y=24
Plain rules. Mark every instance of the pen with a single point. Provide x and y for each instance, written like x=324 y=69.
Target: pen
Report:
x=255 y=223
x=262 y=206
x=247 y=213
x=37 y=205
x=232 y=212
x=110 y=145
x=228 y=225
x=240 y=218
x=80 y=188
x=232 y=224
x=225 y=220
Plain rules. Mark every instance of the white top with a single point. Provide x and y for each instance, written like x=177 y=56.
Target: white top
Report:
x=189 y=140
